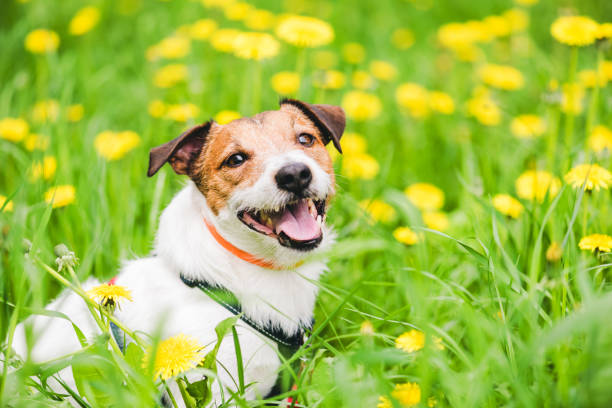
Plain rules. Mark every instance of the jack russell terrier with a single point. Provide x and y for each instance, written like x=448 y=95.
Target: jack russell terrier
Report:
x=248 y=222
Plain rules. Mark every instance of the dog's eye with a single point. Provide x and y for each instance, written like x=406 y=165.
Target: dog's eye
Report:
x=305 y=139
x=235 y=160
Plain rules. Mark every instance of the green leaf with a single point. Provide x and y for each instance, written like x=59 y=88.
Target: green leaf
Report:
x=222 y=329
x=323 y=384
x=200 y=391
x=188 y=399
x=90 y=376
x=134 y=356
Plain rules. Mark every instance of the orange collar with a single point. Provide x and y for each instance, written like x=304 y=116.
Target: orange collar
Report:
x=245 y=256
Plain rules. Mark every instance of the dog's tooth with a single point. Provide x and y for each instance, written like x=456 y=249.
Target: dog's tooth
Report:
x=319 y=220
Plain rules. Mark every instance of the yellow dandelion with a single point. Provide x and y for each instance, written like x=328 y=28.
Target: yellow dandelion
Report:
x=599 y=140
x=553 y=85
x=604 y=31
x=353 y=144
x=226 y=116
x=413 y=98
x=468 y=53
x=330 y=79
x=497 y=26
x=517 y=19
x=359 y=166
x=202 y=29
x=384 y=402
x=436 y=220
x=383 y=70
x=84 y=20
x=527 y=126
x=114 y=145
x=526 y=2
x=590 y=78
x=255 y=46
x=4 y=205
x=175 y=356
x=324 y=59
x=572 y=98
x=13 y=129
x=405 y=235
x=304 y=31
x=353 y=53
x=285 y=82
x=574 y=30
x=410 y=341
x=501 y=76
x=362 y=80
x=60 y=196
x=223 y=39
x=554 y=252
x=181 y=112
x=507 y=205
x=170 y=75
x=361 y=106
x=378 y=210
x=441 y=102
x=402 y=38
x=407 y=394
x=484 y=109
x=236 y=11
x=109 y=294
x=536 y=184
x=366 y=328
x=592 y=176
x=46 y=169
x=425 y=196
x=458 y=36
x=42 y=41
x=35 y=141
x=596 y=242
x=260 y=20
x=172 y=47
x=75 y=112
x=156 y=108
x=46 y=111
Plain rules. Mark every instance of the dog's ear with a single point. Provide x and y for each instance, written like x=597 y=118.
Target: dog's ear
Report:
x=179 y=152
x=329 y=119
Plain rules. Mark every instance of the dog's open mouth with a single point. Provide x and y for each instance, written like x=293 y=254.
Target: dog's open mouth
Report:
x=297 y=225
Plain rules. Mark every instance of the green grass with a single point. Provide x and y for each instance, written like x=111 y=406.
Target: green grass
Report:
x=517 y=330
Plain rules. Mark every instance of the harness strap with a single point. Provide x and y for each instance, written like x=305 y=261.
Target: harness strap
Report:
x=229 y=301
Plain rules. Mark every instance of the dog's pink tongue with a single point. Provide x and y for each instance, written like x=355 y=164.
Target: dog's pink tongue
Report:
x=297 y=223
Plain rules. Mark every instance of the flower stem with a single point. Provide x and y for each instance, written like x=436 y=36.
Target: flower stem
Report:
x=257 y=86
x=553 y=133
x=569 y=122
x=300 y=62
x=170 y=393
x=592 y=113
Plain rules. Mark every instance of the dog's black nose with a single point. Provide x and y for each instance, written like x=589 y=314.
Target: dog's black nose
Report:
x=294 y=177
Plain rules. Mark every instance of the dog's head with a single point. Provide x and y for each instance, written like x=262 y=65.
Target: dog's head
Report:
x=267 y=178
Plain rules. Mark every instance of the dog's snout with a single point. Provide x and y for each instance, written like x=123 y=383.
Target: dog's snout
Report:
x=294 y=177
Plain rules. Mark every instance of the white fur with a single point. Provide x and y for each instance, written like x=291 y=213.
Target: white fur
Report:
x=183 y=245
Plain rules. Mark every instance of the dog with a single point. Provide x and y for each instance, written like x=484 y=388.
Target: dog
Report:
x=249 y=221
